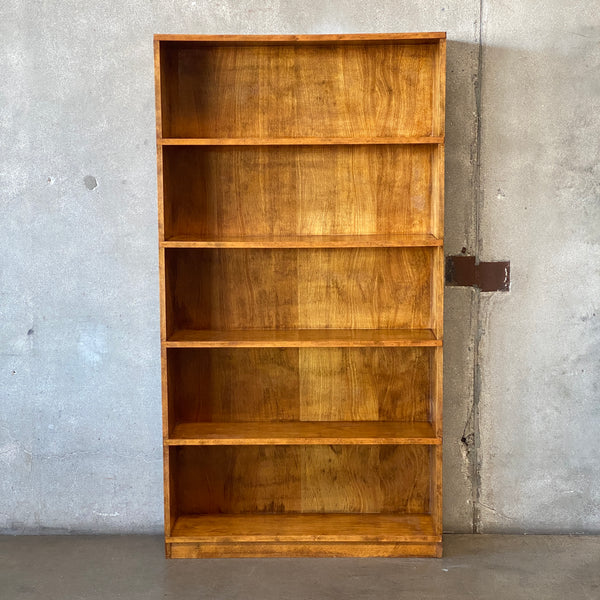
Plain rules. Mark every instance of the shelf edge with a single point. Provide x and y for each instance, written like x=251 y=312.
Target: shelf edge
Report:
x=294 y=344
x=325 y=441
x=312 y=141
x=306 y=38
x=309 y=242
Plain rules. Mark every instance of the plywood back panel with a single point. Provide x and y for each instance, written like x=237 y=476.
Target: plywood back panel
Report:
x=298 y=190
x=230 y=479
x=237 y=384
x=366 y=479
x=299 y=90
x=307 y=384
x=359 y=288
x=364 y=288
x=370 y=384
x=326 y=479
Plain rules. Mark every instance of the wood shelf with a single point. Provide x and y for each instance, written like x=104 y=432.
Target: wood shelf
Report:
x=302 y=433
x=301 y=141
x=306 y=241
x=336 y=38
x=315 y=527
x=310 y=338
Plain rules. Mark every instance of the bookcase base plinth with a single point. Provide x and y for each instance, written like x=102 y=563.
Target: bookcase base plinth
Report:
x=302 y=549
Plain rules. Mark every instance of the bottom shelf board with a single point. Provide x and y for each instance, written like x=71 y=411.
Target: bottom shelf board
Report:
x=305 y=527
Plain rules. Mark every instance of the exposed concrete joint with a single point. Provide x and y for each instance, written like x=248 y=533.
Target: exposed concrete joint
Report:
x=472 y=433
x=475 y=445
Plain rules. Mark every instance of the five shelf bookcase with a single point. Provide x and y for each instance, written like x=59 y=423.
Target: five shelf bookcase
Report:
x=300 y=184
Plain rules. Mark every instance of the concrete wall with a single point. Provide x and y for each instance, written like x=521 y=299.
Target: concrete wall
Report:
x=539 y=352
x=79 y=370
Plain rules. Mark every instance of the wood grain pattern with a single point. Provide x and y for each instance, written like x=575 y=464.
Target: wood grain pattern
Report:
x=303 y=550
x=362 y=288
x=333 y=38
x=301 y=90
x=417 y=528
x=303 y=241
x=436 y=508
x=439 y=87
x=315 y=479
x=298 y=190
x=437 y=191
x=159 y=73
x=166 y=399
x=300 y=141
x=436 y=374
x=306 y=384
x=171 y=506
x=302 y=433
x=301 y=338
x=437 y=291
x=234 y=385
x=230 y=479
x=364 y=384
x=366 y=479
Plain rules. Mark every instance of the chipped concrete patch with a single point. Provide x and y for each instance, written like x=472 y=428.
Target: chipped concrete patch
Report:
x=90 y=182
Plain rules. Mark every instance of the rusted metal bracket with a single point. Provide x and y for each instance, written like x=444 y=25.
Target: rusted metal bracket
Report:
x=487 y=276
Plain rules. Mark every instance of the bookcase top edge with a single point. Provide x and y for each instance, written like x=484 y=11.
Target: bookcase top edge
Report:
x=429 y=36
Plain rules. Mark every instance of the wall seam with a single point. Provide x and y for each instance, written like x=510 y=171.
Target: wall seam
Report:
x=478 y=197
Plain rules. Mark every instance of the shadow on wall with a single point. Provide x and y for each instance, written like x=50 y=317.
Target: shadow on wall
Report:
x=460 y=314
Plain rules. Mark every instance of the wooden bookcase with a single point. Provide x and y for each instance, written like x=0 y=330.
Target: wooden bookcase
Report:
x=300 y=185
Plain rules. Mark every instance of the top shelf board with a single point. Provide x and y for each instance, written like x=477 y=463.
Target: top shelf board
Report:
x=354 y=38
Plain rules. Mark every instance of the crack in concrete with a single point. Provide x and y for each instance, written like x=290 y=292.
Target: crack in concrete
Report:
x=496 y=512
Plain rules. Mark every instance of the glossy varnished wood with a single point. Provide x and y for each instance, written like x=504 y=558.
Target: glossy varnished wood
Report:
x=417 y=528
x=358 y=288
x=299 y=338
x=280 y=191
x=303 y=478
x=303 y=433
x=365 y=384
x=301 y=183
x=300 y=141
x=300 y=91
x=302 y=241
x=303 y=549
x=234 y=385
x=300 y=384
x=331 y=38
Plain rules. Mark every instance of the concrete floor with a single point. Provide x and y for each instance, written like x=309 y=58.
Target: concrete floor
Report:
x=132 y=567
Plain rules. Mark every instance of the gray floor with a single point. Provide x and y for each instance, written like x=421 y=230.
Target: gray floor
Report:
x=132 y=567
